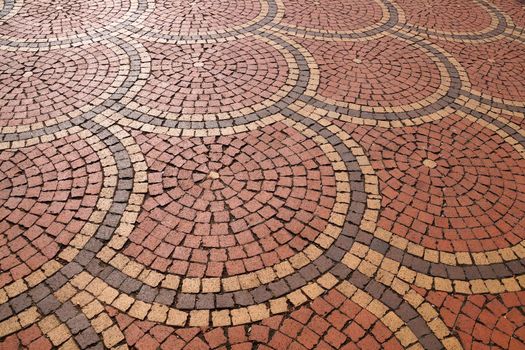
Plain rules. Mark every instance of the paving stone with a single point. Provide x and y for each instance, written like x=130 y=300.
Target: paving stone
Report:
x=257 y=174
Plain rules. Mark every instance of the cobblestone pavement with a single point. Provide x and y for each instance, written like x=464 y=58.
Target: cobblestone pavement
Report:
x=262 y=174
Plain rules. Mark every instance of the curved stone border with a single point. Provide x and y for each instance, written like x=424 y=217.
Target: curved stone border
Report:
x=87 y=317
x=469 y=100
x=9 y=9
x=130 y=177
x=123 y=84
x=388 y=270
x=490 y=113
x=103 y=205
x=59 y=320
x=422 y=322
x=58 y=332
x=494 y=101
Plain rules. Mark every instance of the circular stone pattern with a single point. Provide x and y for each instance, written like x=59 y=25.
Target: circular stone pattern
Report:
x=229 y=205
x=200 y=17
x=44 y=85
x=47 y=193
x=332 y=15
x=451 y=185
x=493 y=68
x=59 y=19
x=388 y=72
x=458 y=16
x=212 y=78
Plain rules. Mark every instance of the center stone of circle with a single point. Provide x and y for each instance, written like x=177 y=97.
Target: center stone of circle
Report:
x=357 y=60
x=429 y=163
x=28 y=74
x=59 y=7
x=213 y=175
x=198 y=64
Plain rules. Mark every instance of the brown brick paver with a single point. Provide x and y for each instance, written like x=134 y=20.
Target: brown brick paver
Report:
x=262 y=174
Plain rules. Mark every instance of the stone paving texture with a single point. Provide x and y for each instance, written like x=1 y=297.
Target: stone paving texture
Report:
x=262 y=174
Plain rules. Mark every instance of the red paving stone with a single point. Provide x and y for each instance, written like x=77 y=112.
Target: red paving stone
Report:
x=264 y=174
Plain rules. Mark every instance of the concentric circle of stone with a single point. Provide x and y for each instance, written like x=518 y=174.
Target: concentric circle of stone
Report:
x=208 y=79
x=200 y=17
x=229 y=205
x=45 y=20
x=493 y=68
x=47 y=193
x=333 y=15
x=516 y=119
x=449 y=16
x=386 y=73
x=452 y=185
x=51 y=85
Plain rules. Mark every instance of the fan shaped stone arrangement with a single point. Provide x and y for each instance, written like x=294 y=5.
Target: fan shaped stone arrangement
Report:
x=262 y=174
